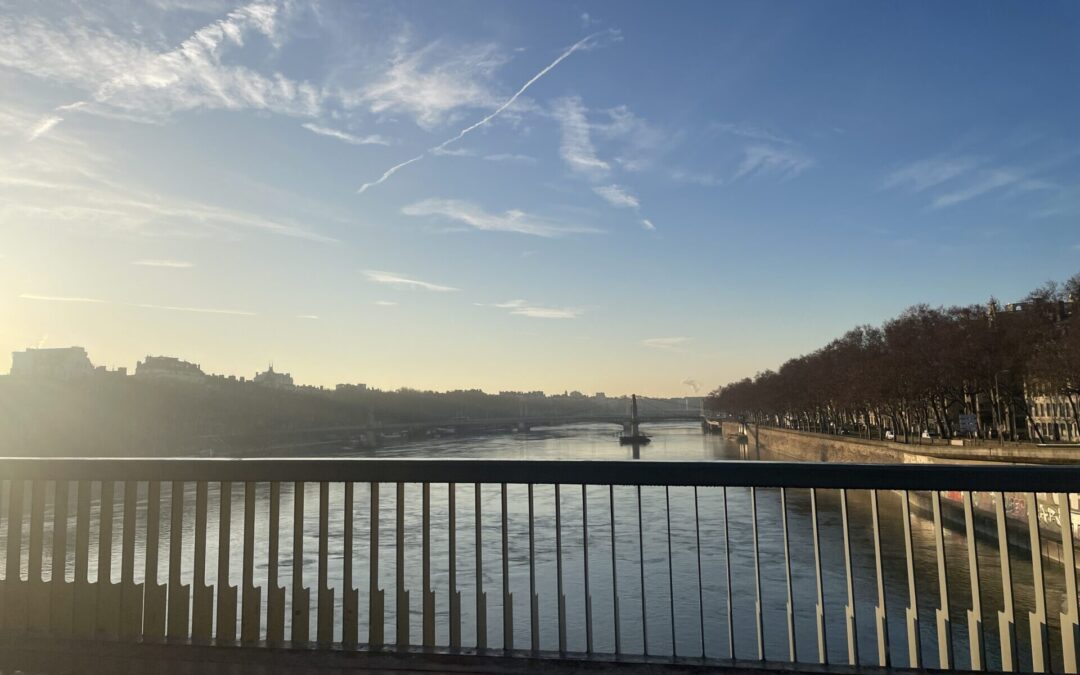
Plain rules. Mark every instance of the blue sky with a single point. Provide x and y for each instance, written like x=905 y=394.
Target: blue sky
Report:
x=603 y=196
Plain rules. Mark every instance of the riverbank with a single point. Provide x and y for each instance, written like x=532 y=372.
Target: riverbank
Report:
x=810 y=446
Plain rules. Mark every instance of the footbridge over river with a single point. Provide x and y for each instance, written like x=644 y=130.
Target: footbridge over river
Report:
x=350 y=565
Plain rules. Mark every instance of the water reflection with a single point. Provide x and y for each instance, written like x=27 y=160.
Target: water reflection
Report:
x=620 y=550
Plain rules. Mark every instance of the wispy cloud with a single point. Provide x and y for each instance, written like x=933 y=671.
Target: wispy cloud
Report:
x=928 y=173
x=583 y=44
x=704 y=179
x=43 y=126
x=524 y=308
x=991 y=181
x=475 y=217
x=433 y=82
x=130 y=77
x=98 y=301
x=61 y=298
x=576 y=148
x=751 y=132
x=197 y=310
x=671 y=344
x=763 y=160
x=454 y=152
x=171 y=264
x=618 y=196
x=312 y=317
x=639 y=141
x=386 y=303
x=510 y=157
x=345 y=136
x=955 y=180
x=398 y=281
x=94 y=198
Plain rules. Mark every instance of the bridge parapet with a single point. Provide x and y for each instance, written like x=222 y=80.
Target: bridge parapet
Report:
x=169 y=537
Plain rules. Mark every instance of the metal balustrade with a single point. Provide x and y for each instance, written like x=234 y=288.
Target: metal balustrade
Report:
x=636 y=545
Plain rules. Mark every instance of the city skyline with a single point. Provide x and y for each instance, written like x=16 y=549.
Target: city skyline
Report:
x=602 y=197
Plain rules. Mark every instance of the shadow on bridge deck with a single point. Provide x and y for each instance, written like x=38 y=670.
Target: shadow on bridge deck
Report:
x=52 y=657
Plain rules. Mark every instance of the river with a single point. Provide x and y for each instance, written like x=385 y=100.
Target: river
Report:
x=675 y=441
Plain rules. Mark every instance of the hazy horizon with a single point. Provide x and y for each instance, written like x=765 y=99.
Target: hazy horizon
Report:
x=603 y=197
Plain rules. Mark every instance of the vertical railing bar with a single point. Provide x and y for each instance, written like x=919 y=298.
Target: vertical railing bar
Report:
x=251 y=609
x=350 y=620
x=508 y=599
x=792 y=652
x=727 y=571
x=701 y=589
x=154 y=593
x=179 y=593
x=974 y=615
x=202 y=614
x=671 y=569
x=275 y=594
x=376 y=600
x=36 y=551
x=37 y=605
x=106 y=503
x=758 y=609
x=107 y=602
x=534 y=599
x=226 y=594
x=325 y=621
x=130 y=593
x=641 y=569
x=1070 y=618
x=849 y=578
x=481 y=596
x=614 y=571
x=428 y=636
x=401 y=605
x=1040 y=647
x=585 y=546
x=301 y=596
x=912 y=611
x=559 y=569
x=1006 y=617
x=60 y=607
x=881 y=615
x=83 y=619
x=13 y=589
x=944 y=624
x=455 y=595
x=14 y=532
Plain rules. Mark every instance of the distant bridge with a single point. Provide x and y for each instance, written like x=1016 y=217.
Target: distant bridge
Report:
x=370 y=433
x=522 y=423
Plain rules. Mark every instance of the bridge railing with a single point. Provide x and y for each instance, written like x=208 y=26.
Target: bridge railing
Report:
x=769 y=561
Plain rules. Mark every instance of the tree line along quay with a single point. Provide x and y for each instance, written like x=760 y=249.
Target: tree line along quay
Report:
x=991 y=372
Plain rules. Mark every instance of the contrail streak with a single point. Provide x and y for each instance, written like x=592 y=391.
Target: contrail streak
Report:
x=390 y=172
x=509 y=102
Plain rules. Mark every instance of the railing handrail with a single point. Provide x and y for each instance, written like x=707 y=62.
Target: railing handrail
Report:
x=964 y=477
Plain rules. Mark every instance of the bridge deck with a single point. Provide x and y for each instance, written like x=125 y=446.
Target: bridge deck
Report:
x=60 y=657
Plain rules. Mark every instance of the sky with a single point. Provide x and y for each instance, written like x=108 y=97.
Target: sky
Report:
x=603 y=196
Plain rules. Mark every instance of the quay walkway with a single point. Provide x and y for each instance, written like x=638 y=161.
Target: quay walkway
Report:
x=134 y=565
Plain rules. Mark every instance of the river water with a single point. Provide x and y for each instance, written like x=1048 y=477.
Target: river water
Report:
x=674 y=601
